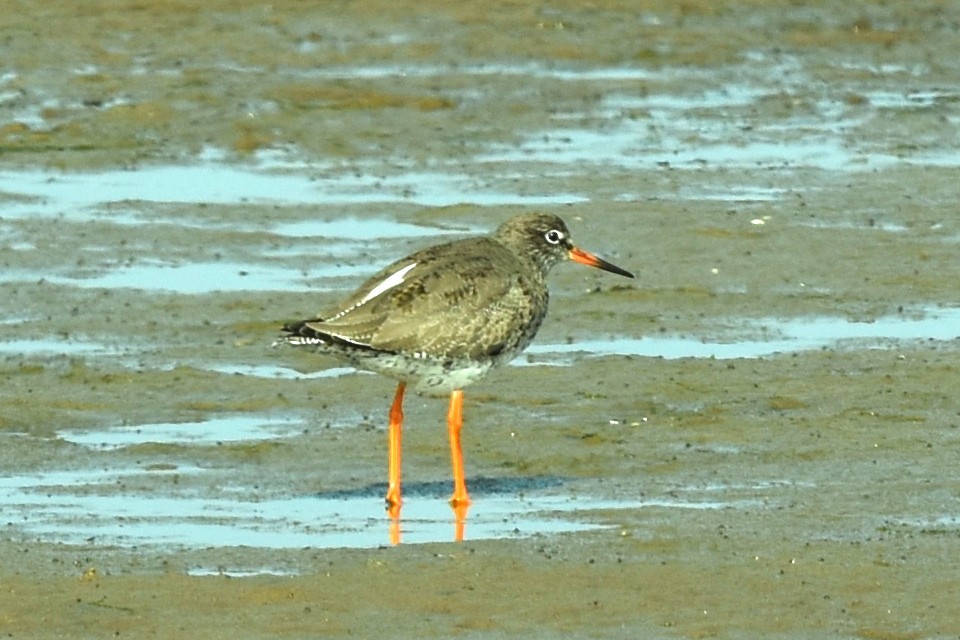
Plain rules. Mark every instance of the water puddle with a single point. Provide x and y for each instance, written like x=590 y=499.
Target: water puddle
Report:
x=223 y=571
x=233 y=428
x=191 y=278
x=80 y=507
x=275 y=372
x=523 y=70
x=715 y=128
x=50 y=347
x=76 y=196
x=945 y=523
x=184 y=505
x=912 y=99
x=628 y=145
x=209 y=277
x=785 y=336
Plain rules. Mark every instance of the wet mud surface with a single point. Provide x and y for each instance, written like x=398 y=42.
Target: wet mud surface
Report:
x=757 y=437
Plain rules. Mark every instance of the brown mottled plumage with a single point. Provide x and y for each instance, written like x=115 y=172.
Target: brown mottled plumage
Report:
x=446 y=315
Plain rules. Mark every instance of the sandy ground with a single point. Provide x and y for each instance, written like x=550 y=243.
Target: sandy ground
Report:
x=814 y=176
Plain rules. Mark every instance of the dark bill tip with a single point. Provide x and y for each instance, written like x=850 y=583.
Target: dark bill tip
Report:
x=583 y=257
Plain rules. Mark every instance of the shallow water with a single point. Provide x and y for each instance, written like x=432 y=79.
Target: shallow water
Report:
x=76 y=506
x=818 y=140
x=211 y=431
x=52 y=346
x=155 y=505
x=629 y=128
x=76 y=196
x=784 y=336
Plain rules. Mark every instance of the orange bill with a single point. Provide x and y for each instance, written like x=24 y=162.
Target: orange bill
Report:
x=583 y=257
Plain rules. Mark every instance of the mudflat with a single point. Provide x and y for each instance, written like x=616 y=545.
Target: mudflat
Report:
x=757 y=437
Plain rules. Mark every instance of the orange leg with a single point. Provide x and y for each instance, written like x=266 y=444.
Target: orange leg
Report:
x=393 y=511
x=395 y=435
x=454 y=425
x=459 y=519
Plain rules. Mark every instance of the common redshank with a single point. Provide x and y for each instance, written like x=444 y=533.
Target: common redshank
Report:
x=445 y=316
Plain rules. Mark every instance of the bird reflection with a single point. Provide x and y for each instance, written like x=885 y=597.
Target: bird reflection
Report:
x=459 y=521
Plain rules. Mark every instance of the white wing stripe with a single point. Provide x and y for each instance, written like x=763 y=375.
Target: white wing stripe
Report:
x=389 y=282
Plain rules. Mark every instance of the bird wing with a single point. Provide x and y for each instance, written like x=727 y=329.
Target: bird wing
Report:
x=421 y=305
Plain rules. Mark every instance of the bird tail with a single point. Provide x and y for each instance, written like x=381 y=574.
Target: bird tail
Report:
x=300 y=334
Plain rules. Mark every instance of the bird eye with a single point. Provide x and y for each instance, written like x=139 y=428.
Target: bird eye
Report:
x=553 y=236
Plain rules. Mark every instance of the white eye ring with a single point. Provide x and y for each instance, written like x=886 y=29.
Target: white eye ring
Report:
x=553 y=236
